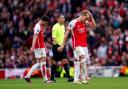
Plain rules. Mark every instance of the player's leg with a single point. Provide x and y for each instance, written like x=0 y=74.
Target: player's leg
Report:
x=83 y=69
x=43 y=68
x=83 y=66
x=34 y=67
x=87 y=72
x=42 y=62
x=77 y=72
x=87 y=62
x=48 y=65
x=81 y=56
x=76 y=66
x=84 y=59
x=87 y=69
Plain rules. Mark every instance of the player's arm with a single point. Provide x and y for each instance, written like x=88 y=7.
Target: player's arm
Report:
x=64 y=40
x=92 y=22
x=69 y=29
x=66 y=37
x=35 y=36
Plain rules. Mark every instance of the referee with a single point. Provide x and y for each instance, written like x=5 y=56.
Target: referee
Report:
x=58 y=32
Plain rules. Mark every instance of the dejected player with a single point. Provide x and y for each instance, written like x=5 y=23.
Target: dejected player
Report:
x=38 y=47
x=79 y=40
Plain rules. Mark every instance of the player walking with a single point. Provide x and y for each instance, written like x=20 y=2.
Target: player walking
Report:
x=79 y=40
x=38 y=47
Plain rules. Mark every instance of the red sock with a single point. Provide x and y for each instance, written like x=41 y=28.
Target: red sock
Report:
x=43 y=70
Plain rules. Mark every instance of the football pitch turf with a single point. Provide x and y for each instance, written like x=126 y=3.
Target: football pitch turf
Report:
x=95 y=83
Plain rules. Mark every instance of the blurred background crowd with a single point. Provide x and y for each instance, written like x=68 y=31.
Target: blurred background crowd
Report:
x=108 y=43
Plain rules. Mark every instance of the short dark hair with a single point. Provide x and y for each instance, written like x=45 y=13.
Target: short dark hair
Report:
x=59 y=15
x=45 y=18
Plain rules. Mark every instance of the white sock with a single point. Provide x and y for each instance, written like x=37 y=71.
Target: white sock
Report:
x=87 y=75
x=83 y=70
x=34 y=67
x=77 y=71
x=43 y=70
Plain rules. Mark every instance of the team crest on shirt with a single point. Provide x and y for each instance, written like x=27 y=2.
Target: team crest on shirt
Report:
x=37 y=30
x=70 y=25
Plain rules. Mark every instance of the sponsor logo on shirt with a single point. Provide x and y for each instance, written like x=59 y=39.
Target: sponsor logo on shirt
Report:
x=81 y=30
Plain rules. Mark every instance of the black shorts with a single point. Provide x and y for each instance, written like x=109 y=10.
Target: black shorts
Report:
x=58 y=56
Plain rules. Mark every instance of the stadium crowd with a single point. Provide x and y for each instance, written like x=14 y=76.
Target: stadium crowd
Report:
x=108 y=43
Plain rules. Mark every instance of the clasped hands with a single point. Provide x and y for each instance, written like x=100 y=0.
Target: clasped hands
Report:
x=60 y=49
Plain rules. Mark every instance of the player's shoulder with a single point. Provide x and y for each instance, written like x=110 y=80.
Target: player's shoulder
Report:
x=37 y=25
x=73 y=21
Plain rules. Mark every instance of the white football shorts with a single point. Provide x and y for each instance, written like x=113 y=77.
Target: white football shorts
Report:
x=78 y=51
x=40 y=52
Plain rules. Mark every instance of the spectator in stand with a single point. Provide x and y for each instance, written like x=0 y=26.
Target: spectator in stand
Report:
x=18 y=17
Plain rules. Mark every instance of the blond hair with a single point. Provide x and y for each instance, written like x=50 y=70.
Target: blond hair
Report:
x=85 y=12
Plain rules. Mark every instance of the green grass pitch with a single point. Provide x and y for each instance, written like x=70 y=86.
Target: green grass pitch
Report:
x=95 y=83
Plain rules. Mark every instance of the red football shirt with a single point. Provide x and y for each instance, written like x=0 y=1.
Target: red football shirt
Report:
x=79 y=33
x=39 y=30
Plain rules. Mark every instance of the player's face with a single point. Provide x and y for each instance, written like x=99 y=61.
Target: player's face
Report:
x=61 y=19
x=44 y=23
x=85 y=18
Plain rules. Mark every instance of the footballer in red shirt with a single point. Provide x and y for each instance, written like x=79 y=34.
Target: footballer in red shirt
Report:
x=79 y=40
x=38 y=47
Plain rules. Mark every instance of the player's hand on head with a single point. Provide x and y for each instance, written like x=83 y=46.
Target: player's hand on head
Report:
x=89 y=12
x=87 y=22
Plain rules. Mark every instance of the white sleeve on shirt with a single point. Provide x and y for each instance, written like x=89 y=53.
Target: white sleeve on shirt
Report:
x=71 y=25
x=37 y=29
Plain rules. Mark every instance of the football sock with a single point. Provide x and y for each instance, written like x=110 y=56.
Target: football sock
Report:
x=34 y=67
x=44 y=70
x=77 y=71
x=83 y=70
